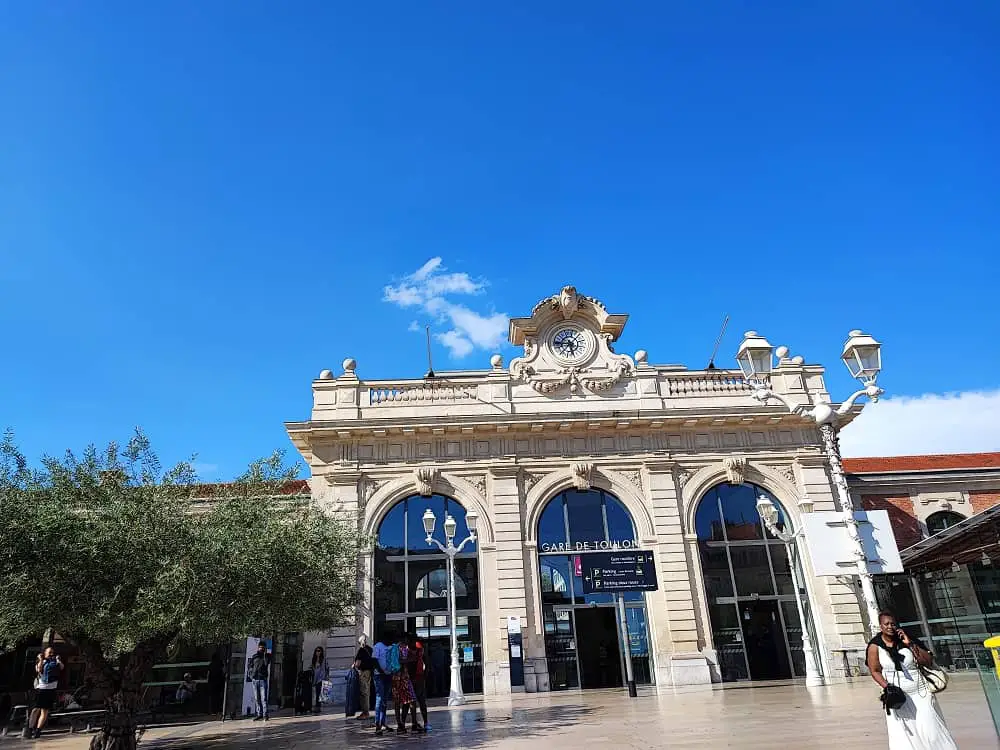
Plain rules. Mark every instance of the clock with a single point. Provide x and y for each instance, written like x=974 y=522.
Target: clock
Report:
x=571 y=344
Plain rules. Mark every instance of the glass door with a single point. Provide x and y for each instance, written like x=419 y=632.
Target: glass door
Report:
x=560 y=648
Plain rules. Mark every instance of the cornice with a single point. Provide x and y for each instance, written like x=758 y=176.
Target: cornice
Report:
x=554 y=422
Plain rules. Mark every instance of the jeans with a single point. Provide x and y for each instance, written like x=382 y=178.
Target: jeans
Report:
x=383 y=688
x=260 y=688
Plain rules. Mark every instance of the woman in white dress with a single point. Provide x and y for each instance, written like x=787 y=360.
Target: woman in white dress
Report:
x=893 y=658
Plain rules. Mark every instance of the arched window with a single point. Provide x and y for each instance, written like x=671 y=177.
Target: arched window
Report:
x=943 y=519
x=582 y=640
x=748 y=586
x=434 y=585
x=410 y=587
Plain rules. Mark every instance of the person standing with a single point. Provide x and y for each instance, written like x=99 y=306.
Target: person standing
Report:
x=48 y=670
x=403 y=697
x=383 y=681
x=894 y=658
x=259 y=675
x=364 y=664
x=320 y=672
x=417 y=666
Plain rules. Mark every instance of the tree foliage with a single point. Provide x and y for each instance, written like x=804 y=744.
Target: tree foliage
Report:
x=121 y=556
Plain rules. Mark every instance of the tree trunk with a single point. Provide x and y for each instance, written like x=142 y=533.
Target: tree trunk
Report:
x=122 y=689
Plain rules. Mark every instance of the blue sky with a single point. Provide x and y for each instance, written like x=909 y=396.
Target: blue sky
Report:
x=202 y=204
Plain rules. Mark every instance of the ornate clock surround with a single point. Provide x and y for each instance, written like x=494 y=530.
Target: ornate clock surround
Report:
x=598 y=369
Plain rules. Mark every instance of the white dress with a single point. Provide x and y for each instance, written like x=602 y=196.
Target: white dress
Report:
x=918 y=723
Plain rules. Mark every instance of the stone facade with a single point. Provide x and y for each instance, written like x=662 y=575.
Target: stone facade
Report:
x=572 y=412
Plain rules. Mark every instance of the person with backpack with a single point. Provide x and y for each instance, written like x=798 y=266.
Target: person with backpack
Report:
x=383 y=680
x=48 y=669
x=417 y=667
x=403 y=697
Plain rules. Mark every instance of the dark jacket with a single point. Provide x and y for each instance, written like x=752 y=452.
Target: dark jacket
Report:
x=258 y=666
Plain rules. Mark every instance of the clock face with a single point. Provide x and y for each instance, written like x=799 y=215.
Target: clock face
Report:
x=571 y=344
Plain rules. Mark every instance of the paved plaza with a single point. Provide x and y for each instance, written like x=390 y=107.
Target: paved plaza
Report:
x=763 y=716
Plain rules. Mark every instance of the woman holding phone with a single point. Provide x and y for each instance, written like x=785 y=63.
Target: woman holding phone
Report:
x=895 y=658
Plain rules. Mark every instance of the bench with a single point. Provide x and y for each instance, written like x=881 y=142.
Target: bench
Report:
x=79 y=719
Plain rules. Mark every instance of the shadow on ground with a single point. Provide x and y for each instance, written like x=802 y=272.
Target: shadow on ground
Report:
x=451 y=728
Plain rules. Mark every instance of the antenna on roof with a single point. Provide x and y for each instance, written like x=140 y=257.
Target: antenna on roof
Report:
x=430 y=363
x=711 y=362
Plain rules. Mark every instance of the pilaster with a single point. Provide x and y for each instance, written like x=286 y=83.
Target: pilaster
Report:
x=678 y=659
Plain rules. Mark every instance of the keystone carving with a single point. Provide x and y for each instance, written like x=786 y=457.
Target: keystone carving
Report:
x=425 y=477
x=736 y=468
x=567 y=302
x=582 y=472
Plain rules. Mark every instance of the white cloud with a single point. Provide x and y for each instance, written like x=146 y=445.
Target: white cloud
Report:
x=430 y=288
x=457 y=344
x=413 y=327
x=967 y=422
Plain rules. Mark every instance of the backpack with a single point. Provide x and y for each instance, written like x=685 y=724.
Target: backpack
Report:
x=392 y=659
x=50 y=671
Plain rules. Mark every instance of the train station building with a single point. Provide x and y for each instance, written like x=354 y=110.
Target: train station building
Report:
x=572 y=449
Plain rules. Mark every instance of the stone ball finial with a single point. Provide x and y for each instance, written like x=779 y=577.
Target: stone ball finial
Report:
x=326 y=375
x=641 y=357
x=496 y=362
x=798 y=359
x=350 y=364
x=781 y=351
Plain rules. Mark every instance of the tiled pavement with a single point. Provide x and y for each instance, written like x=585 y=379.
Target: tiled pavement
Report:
x=777 y=715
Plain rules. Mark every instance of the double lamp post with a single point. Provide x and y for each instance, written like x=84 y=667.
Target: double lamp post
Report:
x=455 y=695
x=863 y=358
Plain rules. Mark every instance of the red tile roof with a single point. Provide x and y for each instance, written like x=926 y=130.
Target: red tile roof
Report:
x=294 y=487
x=940 y=462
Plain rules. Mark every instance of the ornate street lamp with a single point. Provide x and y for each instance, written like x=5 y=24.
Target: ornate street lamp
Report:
x=769 y=515
x=863 y=356
x=455 y=695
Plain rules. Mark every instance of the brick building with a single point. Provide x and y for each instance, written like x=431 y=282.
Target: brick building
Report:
x=945 y=511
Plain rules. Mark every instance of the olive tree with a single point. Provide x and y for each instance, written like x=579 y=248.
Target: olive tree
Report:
x=125 y=560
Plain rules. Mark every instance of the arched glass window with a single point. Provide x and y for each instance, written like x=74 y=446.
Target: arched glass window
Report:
x=410 y=591
x=582 y=640
x=748 y=586
x=943 y=519
x=581 y=520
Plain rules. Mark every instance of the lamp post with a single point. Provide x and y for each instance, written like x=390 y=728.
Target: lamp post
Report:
x=769 y=515
x=862 y=355
x=455 y=695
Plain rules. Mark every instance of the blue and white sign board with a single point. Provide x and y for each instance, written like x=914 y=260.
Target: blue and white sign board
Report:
x=833 y=553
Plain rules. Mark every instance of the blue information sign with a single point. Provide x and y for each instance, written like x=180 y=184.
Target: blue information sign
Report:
x=615 y=572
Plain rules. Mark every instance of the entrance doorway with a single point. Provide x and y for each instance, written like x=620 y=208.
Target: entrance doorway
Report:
x=598 y=648
x=764 y=640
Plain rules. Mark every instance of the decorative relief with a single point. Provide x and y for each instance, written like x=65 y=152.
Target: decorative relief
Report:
x=785 y=471
x=479 y=482
x=369 y=487
x=736 y=468
x=425 y=477
x=634 y=476
x=530 y=480
x=582 y=472
x=682 y=477
x=542 y=367
x=567 y=302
